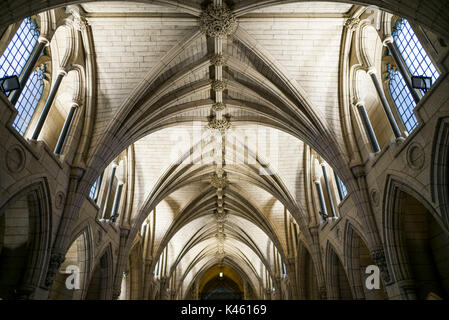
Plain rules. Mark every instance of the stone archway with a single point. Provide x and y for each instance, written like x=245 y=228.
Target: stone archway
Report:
x=416 y=243
x=24 y=236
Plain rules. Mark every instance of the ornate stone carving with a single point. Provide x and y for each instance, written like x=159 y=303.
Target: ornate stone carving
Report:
x=415 y=156
x=220 y=236
x=59 y=200
x=352 y=23
x=219 y=124
x=218 y=21
x=218 y=59
x=218 y=106
x=219 y=182
x=221 y=216
x=218 y=85
x=77 y=20
x=56 y=259
x=378 y=257
x=15 y=159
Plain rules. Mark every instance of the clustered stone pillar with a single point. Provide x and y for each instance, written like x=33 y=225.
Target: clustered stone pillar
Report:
x=383 y=99
x=65 y=130
x=368 y=127
x=388 y=42
x=49 y=103
x=42 y=42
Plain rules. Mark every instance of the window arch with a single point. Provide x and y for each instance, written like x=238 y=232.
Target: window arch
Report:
x=341 y=188
x=19 y=49
x=13 y=62
x=418 y=64
x=28 y=100
x=402 y=98
x=412 y=51
x=93 y=190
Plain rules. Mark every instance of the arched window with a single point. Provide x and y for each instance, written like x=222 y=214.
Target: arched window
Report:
x=28 y=100
x=13 y=62
x=402 y=98
x=93 y=190
x=413 y=53
x=342 y=192
x=418 y=63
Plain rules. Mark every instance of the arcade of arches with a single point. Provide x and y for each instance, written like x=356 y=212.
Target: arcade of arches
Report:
x=224 y=150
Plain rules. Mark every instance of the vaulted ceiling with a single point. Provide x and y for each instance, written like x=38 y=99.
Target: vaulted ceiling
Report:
x=155 y=86
x=281 y=73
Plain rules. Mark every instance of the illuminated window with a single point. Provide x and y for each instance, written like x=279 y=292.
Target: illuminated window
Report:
x=28 y=100
x=342 y=192
x=93 y=190
x=19 y=49
x=413 y=53
x=418 y=63
x=13 y=61
x=403 y=99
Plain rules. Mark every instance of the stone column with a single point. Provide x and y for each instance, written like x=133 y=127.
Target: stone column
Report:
x=383 y=99
x=108 y=192
x=328 y=188
x=116 y=205
x=319 y=191
x=48 y=104
x=65 y=130
x=389 y=43
x=367 y=126
x=42 y=42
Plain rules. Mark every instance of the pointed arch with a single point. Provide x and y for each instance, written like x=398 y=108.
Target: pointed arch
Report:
x=411 y=227
x=25 y=226
x=100 y=284
x=337 y=282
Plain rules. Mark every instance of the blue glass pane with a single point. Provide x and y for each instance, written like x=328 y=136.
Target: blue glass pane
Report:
x=19 y=49
x=342 y=187
x=93 y=190
x=413 y=52
x=28 y=100
x=403 y=100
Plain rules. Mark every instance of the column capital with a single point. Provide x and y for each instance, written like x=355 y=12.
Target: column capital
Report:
x=62 y=72
x=75 y=104
x=43 y=39
x=371 y=70
x=359 y=103
x=388 y=39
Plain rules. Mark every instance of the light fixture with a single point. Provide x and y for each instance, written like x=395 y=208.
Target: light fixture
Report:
x=9 y=83
x=221 y=274
x=421 y=82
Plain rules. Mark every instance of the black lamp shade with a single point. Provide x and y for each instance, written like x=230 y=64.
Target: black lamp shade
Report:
x=9 y=83
x=421 y=82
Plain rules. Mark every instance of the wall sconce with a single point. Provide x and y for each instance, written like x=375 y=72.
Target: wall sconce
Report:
x=9 y=83
x=421 y=82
